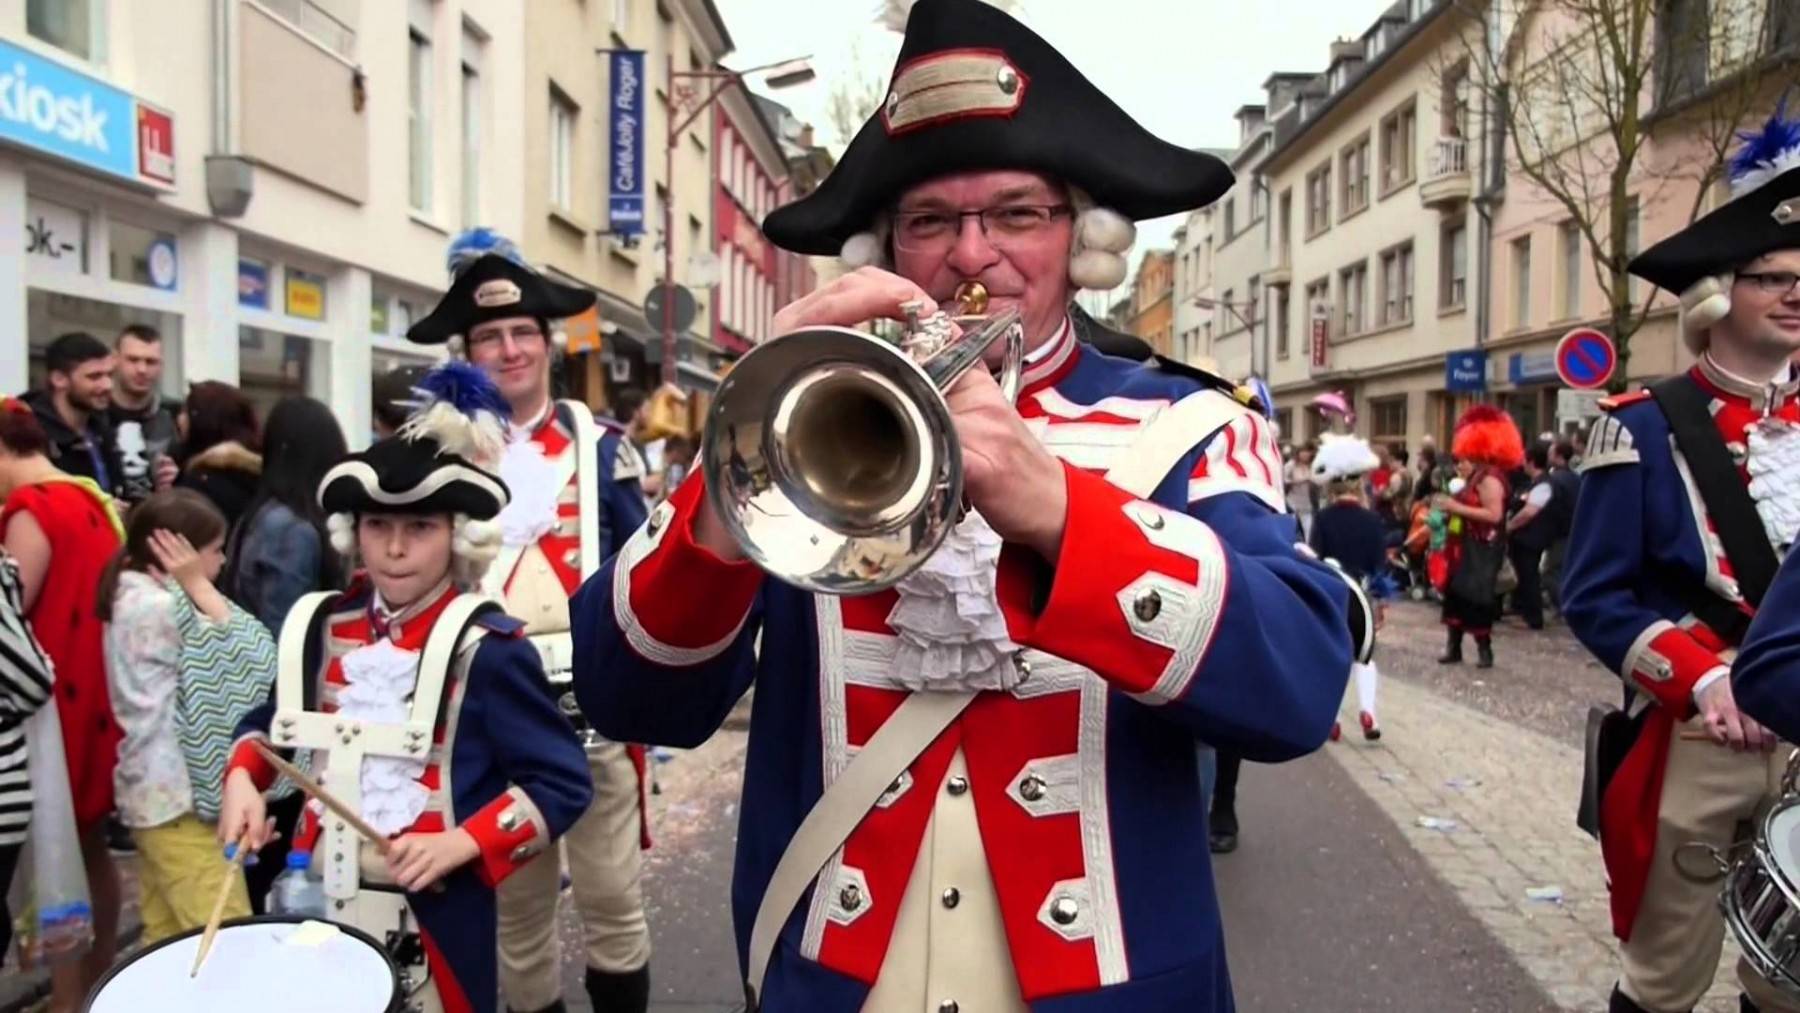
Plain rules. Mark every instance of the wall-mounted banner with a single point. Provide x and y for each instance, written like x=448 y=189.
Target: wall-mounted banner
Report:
x=51 y=108
x=625 y=162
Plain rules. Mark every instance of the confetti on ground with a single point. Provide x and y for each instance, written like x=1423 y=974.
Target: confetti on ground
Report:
x=1547 y=894
x=1437 y=823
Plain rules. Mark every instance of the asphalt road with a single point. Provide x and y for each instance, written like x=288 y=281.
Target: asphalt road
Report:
x=1327 y=907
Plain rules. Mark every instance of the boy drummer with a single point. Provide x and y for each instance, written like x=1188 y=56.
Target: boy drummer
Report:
x=440 y=731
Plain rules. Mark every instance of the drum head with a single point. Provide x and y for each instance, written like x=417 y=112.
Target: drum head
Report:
x=1781 y=829
x=257 y=965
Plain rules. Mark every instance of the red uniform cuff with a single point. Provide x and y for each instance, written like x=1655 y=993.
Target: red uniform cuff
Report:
x=1666 y=662
x=246 y=757
x=677 y=601
x=509 y=831
x=1134 y=596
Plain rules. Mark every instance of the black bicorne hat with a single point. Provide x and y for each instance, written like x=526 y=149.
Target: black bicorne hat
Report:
x=493 y=287
x=1762 y=216
x=975 y=89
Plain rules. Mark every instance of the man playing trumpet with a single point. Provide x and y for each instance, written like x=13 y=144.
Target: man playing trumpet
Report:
x=1125 y=584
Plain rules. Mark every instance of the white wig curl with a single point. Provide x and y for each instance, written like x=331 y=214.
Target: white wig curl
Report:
x=1703 y=304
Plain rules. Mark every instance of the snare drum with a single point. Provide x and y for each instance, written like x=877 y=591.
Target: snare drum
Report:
x=1762 y=897
x=266 y=964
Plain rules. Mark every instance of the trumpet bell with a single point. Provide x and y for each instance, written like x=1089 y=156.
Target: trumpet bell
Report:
x=831 y=459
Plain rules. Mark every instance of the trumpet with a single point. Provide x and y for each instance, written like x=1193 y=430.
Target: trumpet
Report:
x=830 y=456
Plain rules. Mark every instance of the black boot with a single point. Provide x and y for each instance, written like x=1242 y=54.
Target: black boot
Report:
x=1746 y=1006
x=1452 y=648
x=1621 y=1003
x=1484 y=652
x=1224 y=825
x=619 y=993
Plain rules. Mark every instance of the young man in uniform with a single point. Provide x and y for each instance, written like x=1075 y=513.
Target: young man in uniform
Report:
x=422 y=704
x=575 y=501
x=1687 y=496
x=998 y=754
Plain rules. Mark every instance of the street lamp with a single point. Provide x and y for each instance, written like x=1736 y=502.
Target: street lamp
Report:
x=782 y=74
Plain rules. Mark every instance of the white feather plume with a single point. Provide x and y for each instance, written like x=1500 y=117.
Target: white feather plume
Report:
x=1342 y=457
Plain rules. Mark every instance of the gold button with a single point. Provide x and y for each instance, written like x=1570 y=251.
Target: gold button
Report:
x=957 y=785
x=572 y=558
x=1032 y=788
x=850 y=897
x=1148 y=605
x=1064 y=910
x=952 y=897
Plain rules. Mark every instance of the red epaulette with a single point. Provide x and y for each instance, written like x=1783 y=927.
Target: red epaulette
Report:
x=1618 y=401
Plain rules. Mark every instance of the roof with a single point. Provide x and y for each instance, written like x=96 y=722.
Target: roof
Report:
x=1290 y=128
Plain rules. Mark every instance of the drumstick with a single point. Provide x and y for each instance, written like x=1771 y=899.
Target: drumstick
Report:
x=326 y=799
x=239 y=850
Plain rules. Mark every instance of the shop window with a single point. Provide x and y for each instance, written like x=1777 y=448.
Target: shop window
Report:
x=51 y=314
x=74 y=26
x=272 y=366
x=56 y=237
x=1387 y=419
x=141 y=256
x=305 y=294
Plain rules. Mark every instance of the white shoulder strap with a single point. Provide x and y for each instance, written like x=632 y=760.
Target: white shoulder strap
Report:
x=290 y=651
x=1169 y=435
x=888 y=753
x=449 y=635
x=588 y=477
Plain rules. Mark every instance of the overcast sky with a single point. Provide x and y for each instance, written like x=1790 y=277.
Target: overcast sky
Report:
x=1181 y=67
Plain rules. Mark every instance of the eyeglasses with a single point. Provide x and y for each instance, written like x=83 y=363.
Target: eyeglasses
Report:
x=520 y=335
x=1778 y=283
x=928 y=231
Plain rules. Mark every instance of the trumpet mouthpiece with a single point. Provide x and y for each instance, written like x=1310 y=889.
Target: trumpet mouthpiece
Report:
x=973 y=296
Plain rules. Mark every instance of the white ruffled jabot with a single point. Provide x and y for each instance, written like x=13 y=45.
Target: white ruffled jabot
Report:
x=952 y=634
x=531 y=478
x=1773 y=462
x=378 y=679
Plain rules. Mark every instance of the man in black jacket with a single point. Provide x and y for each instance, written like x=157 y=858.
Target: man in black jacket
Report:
x=143 y=424
x=72 y=408
x=1565 y=485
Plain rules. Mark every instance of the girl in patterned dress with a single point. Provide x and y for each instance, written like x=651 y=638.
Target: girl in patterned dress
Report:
x=180 y=659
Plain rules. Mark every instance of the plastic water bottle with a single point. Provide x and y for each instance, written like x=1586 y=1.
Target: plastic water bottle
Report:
x=294 y=892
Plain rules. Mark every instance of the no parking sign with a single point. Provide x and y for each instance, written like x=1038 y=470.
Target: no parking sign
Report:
x=1585 y=359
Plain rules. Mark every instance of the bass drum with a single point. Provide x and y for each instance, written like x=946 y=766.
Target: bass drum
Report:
x=267 y=964
x=1762 y=898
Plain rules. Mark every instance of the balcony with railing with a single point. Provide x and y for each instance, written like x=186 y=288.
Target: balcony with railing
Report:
x=1447 y=182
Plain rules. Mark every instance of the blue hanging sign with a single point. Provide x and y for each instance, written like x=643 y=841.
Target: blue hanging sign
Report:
x=625 y=164
x=1466 y=372
x=52 y=108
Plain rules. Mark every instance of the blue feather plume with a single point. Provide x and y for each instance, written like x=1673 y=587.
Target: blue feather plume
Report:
x=466 y=388
x=471 y=245
x=1764 y=148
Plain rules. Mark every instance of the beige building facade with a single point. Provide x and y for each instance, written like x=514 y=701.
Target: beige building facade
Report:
x=1192 y=288
x=1373 y=239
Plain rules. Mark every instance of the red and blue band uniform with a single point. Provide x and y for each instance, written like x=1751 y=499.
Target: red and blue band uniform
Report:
x=1244 y=645
x=504 y=766
x=1641 y=540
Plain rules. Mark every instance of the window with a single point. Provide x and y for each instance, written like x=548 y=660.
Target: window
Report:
x=1387 y=419
x=1569 y=239
x=141 y=256
x=73 y=26
x=1259 y=201
x=1521 y=281
x=1631 y=242
x=1281 y=322
x=1224 y=309
x=1453 y=272
x=1283 y=222
x=1353 y=283
x=621 y=16
x=418 y=113
x=562 y=149
x=1398 y=140
x=471 y=146
x=322 y=21
x=1230 y=202
x=1454 y=106
x=1253 y=304
x=1318 y=200
x=1284 y=422
x=1317 y=308
x=1397 y=285
x=1356 y=176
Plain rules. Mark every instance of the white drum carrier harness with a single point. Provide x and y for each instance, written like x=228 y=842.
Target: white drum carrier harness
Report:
x=382 y=913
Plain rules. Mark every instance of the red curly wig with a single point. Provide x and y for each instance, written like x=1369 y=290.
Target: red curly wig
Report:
x=1487 y=435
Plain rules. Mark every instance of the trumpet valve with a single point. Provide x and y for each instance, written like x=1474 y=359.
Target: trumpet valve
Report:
x=973 y=297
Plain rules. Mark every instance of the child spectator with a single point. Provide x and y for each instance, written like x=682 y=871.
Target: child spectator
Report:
x=184 y=665
x=1349 y=534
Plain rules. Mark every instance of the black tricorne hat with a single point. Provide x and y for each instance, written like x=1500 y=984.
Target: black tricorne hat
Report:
x=494 y=287
x=411 y=476
x=975 y=89
x=1762 y=216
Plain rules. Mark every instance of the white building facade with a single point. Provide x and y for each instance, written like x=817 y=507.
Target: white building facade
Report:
x=270 y=183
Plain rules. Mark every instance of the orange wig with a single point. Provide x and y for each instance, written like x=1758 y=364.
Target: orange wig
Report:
x=1487 y=435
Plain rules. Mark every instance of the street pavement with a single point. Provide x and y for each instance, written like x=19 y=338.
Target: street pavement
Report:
x=1438 y=869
